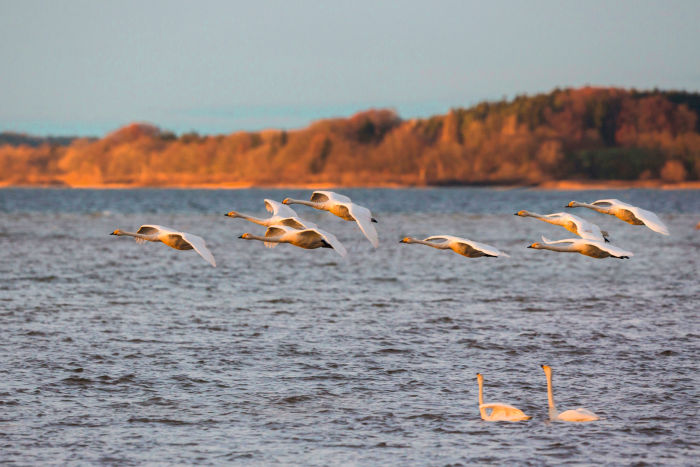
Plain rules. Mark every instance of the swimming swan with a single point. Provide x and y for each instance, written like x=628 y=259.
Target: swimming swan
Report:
x=281 y=215
x=343 y=207
x=459 y=245
x=592 y=248
x=576 y=415
x=177 y=240
x=307 y=238
x=496 y=412
x=573 y=224
x=626 y=212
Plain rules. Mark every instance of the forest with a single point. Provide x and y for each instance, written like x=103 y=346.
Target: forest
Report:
x=568 y=134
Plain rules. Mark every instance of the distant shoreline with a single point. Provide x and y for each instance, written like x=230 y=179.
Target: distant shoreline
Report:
x=553 y=185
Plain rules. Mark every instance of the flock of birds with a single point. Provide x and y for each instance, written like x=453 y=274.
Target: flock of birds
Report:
x=285 y=226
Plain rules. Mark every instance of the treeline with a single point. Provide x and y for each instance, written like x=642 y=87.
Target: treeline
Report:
x=575 y=134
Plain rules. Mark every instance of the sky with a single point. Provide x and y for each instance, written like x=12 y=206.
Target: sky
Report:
x=89 y=67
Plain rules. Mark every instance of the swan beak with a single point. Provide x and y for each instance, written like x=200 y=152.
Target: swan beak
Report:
x=375 y=220
x=112 y=233
x=515 y=213
x=529 y=246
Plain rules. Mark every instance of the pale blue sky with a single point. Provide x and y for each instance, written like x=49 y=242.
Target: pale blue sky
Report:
x=88 y=67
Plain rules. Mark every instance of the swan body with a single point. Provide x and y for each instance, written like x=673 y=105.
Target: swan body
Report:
x=592 y=248
x=574 y=415
x=306 y=238
x=343 y=207
x=573 y=224
x=497 y=412
x=462 y=246
x=172 y=238
x=281 y=215
x=626 y=212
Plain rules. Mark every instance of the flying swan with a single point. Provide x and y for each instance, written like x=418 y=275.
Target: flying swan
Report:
x=172 y=238
x=306 y=238
x=575 y=415
x=626 y=212
x=592 y=248
x=281 y=215
x=573 y=224
x=496 y=412
x=459 y=245
x=343 y=207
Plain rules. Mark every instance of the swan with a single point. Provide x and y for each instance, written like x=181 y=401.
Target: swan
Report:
x=626 y=212
x=281 y=215
x=459 y=245
x=592 y=248
x=496 y=412
x=343 y=207
x=575 y=415
x=573 y=224
x=306 y=238
x=172 y=238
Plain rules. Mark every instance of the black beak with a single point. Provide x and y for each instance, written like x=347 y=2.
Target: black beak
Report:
x=240 y=236
x=112 y=233
x=375 y=220
x=529 y=246
x=515 y=213
x=226 y=215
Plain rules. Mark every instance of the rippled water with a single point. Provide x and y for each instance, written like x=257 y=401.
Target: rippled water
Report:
x=114 y=352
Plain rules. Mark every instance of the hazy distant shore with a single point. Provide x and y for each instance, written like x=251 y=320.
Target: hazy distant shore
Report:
x=567 y=185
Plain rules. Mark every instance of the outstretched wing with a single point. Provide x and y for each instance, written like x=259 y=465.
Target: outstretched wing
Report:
x=297 y=223
x=149 y=229
x=566 y=240
x=608 y=203
x=279 y=209
x=650 y=219
x=199 y=246
x=587 y=229
x=274 y=231
x=363 y=217
x=439 y=238
x=483 y=247
x=323 y=196
x=333 y=241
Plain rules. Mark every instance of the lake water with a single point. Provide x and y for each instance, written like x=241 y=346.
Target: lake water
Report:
x=118 y=353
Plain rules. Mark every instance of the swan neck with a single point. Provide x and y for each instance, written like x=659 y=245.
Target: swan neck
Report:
x=560 y=248
x=135 y=235
x=262 y=239
x=313 y=204
x=550 y=395
x=439 y=246
x=481 y=391
x=255 y=220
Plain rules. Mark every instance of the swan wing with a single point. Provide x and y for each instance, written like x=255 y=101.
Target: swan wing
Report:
x=275 y=231
x=363 y=217
x=483 y=247
x=199 y=245
x=150 y=229
x=296 y=223
x=609 y=203
x=323 y=196
x=577 y=415
x=333 y=241
x=279 y=209
x=566 y=240
x=587 y=229
x=503 y=412
x=441 y=238
x=650 y=219
x=613 y=250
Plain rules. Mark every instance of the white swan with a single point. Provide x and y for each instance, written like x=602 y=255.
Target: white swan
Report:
x=306 y=238
x=496 y=412
x=626 y=212
x=592 y=248
x=172 y=238
x=281 y=215
x=343 y=207
x=459 y=245
x=575 y=415
x=573 y=224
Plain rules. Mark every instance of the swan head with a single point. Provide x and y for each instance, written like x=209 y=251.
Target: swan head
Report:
x=547 y=369
x=522 y=213
x=285 y=201
x=117 y=232
x=536 y=246
x=231 y=214
x=406 y=240
x=245 y=236
x=374 y=220
x=573 y=204
x=479 y=378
